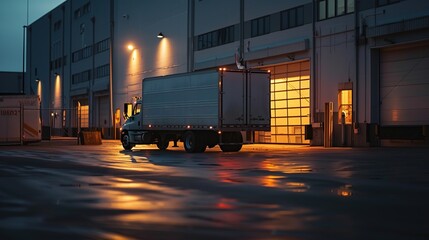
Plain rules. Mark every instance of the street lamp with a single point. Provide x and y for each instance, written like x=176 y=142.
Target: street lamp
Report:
x=160 y=35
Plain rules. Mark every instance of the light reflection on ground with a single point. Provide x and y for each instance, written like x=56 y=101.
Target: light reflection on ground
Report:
x=104 y=192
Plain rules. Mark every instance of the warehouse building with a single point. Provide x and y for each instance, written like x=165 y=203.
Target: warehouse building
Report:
x=344 y=72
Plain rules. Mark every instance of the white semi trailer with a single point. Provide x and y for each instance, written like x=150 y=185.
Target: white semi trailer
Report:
x=20 y=119
x=201 y=109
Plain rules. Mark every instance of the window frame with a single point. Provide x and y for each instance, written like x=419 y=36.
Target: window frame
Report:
x=216 y=38
x=260 y=26
x=327 y=9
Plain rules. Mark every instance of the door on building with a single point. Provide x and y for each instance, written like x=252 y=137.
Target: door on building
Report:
x=290 y=104
x=103 y=115
x=404 y=85
x=82 y=119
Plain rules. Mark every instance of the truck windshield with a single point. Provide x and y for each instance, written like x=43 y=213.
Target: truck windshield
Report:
x=137 y=108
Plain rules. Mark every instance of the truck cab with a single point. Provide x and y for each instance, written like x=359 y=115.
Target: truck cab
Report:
x=132 y=118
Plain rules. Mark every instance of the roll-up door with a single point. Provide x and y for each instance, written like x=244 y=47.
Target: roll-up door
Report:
x=404 y=85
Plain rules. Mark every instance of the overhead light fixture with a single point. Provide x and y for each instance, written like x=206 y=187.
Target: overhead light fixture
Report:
x=160 y=35
x=130 y=47
x=37 y=80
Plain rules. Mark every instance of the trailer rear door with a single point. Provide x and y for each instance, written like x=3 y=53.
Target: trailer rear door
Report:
x=259 y=98
x=232 y=98
x=245 y=99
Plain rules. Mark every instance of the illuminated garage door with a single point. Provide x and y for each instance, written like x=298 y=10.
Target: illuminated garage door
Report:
x=404 y=89
x=84 y=116
x=290 y=104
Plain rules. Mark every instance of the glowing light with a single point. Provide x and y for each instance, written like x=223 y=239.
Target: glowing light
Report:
x=130 y=47
x=164 y=57
x=134 y=67
x=225 y=203
x=270 y=181
x=344 y=191
x=57 y=92
x=345 y=105
x=39 y=89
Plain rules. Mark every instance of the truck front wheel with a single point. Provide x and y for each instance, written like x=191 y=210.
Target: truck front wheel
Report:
x=194 y=142
x=126 y=142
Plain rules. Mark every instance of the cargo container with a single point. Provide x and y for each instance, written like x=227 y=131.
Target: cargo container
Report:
x=20 y=119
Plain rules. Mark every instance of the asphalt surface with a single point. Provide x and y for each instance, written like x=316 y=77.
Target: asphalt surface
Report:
x=60 y=190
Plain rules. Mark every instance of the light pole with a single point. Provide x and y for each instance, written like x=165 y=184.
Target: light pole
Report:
x=23 y=59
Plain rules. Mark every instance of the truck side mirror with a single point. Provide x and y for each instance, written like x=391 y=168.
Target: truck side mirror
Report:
x=128 y=110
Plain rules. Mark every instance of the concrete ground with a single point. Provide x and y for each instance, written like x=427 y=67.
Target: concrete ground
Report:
x=60 y=190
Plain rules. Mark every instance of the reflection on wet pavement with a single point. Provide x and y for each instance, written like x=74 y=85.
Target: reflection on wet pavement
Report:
x=109 y=193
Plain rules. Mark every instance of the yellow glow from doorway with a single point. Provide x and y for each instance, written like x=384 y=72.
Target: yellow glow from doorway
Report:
x=345 y=105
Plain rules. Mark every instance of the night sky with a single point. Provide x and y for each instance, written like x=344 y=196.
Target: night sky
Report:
x=13 y=16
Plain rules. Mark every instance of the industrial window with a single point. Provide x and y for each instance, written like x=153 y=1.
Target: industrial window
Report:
x=102 y=71
x=102 y=46
x=260 y=26
x=85 y=9
x=57 y=25
x=84 y=76
x=334 y=8
x=216 y=38
x=77 y=13
x=292 y=17
x=345 y=110
x=82 y=54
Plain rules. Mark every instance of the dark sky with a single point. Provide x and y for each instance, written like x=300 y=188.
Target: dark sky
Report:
x=13 y=16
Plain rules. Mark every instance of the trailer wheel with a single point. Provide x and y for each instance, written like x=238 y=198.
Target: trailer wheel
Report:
x=233 y=140
x=194 y=142
x=162 y=143
x=126 y=144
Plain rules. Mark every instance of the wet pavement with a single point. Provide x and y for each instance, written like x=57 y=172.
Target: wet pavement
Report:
x=60 y=190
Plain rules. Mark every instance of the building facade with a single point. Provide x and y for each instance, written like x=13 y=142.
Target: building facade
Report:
x=11 y=83
x=344 y=72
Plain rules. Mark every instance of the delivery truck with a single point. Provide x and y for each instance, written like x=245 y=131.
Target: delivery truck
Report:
x=201 y=109
x=20 y=119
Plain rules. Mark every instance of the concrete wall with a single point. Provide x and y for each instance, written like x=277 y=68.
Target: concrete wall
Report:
x=138 y=23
